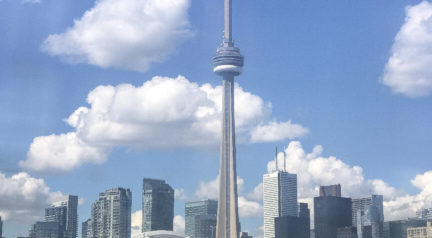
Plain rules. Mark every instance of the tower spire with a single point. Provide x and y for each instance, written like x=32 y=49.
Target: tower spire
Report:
x=228 y=24
x=276 y=160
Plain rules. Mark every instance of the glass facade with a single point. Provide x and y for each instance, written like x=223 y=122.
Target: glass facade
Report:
x=200 y=219
x=158 y=205
x=331 y=213
x=65 y=213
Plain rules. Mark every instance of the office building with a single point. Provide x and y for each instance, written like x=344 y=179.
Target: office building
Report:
x=368 y=211
x=157 y=206
x=86 y=229
x=65 y=213
x=111 y=214
x=331 y=213
x=424 y=214
x=361 y=204
x=420 y=232
x=245 y=235
x=347 y=232
x=228 y=63
x=45 y=230
x=200 y=219
x=292 y=227
x=279 y=199
x=399 y=228
x=330 y=190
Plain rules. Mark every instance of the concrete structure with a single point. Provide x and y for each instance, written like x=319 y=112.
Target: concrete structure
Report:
x=330 y=190
x=420 y=232
x=200 y=219
x=279 y=199
x=111 y=214
x=157 y=205
x=45 y=230
x=331 y=213
x=292 y=227
x=159 y=234
x=65 y=213
x=228 y=62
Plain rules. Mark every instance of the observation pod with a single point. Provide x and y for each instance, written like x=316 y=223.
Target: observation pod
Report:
x=228 y=61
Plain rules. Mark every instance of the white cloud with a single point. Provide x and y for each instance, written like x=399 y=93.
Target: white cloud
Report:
x=30 y=1
x=23 y=198
x=162 y=113
x=275 y=131
x=180 y=194
x=127 y=34
x=249 y=208
x=179 y=224
x=136 y=223
x=257 y=193
x=408 y=69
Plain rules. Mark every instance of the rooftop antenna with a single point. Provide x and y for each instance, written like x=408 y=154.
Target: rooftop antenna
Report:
x=276 y=160
x=284 y=160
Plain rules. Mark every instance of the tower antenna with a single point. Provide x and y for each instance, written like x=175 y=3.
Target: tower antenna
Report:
x=284 y=159
x=276 y=160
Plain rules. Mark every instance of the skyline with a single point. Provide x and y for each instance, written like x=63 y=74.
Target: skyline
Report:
x=327 y=93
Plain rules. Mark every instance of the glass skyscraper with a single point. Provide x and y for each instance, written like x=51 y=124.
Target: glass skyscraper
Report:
x=200 y=219
x=157 y=206
x=111 y=214
x=331 y=213
x=368 y=211
x=65 y=213
x=280 y=199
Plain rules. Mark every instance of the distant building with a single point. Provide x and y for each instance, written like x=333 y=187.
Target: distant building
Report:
x=65 y=213
x=330 y=190
x=279 y=199
x=158 y=205
x=200 y=219
x=159 y=234
x=347 y=232
x=111 y=214
x=399 y=228
x=420 y=232
x=245 y=235
x=424 y=214
x=368 y=211
x=292 y=227
x=86 y=229
x=331 y=213
x=45 y=230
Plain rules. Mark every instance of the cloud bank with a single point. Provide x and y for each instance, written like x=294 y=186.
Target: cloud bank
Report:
x=163 y=113
x=408 y=70
x=126 y=34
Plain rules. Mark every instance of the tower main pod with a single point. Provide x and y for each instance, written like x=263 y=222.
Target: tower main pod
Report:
x=228 y=62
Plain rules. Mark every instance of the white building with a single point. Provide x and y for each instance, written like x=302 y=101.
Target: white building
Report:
x=280 y=198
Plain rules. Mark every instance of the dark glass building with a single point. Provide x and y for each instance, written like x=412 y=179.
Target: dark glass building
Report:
x=331 y=213
x=200 y=219
x=398 y=229
x=292 y=227
x=347 y=232
x=330 y=190
x=45 y=230
x=158 y=205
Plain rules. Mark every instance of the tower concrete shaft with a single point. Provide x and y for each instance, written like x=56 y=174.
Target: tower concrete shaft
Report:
x=228 y=62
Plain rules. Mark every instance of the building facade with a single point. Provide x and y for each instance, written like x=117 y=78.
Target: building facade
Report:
x=330 y=190
x=368 y=211
x=111 y=214
x=45 y=230
x=65 y=213
x=424 y=214
x=399 y=228
x=279 y=199
x=292 y=227
x=86 y=229
x=200 y=219
x=157 y=206
x=420 y=232
x=347 y=232
x=330 y=214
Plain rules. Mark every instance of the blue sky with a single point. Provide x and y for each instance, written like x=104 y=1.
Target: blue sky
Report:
x=344 y=85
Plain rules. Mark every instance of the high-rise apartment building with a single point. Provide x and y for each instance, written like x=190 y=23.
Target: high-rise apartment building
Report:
x=279 y=199
x=331 y=213
x=420 y=232
x=330 y=190
x=157 y=206
x=200 y=219
x=86 y=231
x=111 y=214
x=65 y=213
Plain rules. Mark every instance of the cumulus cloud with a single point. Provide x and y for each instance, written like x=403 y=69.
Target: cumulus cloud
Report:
x=127 y=34
x=257 y=193
x=136 y=223
x=179 y=224
x=22 y=197
x=162 y=113
x=30 y=1
x=180 y=194
x=275 y=131
x=408 y=70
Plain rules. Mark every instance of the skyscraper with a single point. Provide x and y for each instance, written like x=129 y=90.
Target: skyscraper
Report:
x=279 y=199
x=360 y=204
x=200 y=219
x=111 y=214
x=330 y=214
x=330 y=190
x=157 y=206
x=86 y=231
x=368 y=211
x=65 y=213
x=228 y=62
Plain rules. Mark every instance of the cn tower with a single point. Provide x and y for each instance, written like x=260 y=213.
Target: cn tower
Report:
x=228 y=62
